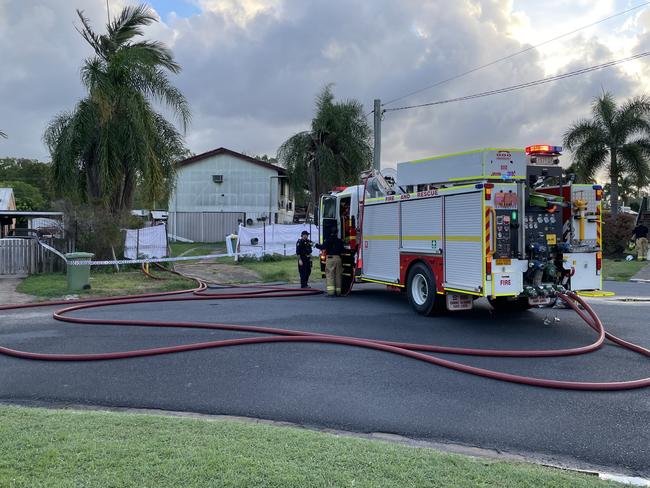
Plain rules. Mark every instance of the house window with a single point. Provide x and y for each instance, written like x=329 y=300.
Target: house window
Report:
x=217 y=178
x=282 y=192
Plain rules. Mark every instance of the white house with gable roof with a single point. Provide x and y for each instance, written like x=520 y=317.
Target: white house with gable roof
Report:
x=225 y=181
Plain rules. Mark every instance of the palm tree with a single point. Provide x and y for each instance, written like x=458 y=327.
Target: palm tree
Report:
x=333 y=152
x=114 y=139
x=616 y=139
x=628 y=189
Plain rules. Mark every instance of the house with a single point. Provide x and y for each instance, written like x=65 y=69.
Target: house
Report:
x=225 y=181
x=7 y=203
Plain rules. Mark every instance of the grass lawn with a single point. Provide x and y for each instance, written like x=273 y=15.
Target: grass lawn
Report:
x=620 y=269
x=55 y=448
x=280 y=269
x=50 y=285
x=196 y=248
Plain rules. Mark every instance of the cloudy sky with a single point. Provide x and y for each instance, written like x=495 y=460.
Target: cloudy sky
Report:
x=251 y=68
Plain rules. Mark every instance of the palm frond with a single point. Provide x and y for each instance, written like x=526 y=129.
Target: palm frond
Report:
x=152 y=53
x=581 y=131
x=89 y=35
x=129 y=24
x=604 y=110
x=154 y=84
x=589 y=160
x=632 y=119
x=634 y=162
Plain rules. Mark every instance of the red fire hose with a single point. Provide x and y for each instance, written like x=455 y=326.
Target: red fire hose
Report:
x=415 y=351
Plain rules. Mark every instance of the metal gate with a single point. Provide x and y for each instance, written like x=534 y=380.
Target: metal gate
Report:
x=204 y=226
x=18 y=256
x=25 y=256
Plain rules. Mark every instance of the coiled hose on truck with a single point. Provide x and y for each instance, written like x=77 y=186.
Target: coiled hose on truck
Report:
x=420 y=352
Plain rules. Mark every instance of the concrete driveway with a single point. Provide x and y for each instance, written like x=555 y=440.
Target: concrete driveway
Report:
x=341 y=387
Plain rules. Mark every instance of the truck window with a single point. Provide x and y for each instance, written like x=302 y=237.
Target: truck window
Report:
x=329 y=207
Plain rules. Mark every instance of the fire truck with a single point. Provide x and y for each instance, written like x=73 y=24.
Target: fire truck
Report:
x=501 y=223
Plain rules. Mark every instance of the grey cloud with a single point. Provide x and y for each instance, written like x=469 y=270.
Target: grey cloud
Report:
x=251 y=86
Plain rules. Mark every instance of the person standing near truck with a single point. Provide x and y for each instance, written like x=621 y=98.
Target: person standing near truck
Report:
x=641 y=236
x=303 y=251
x=333 y=247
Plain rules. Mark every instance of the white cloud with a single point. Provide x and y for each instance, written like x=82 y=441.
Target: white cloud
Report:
x=251 y=69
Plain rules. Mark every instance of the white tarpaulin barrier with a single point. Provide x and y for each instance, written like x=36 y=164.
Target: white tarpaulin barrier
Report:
x=149 y=242
x=275 y=238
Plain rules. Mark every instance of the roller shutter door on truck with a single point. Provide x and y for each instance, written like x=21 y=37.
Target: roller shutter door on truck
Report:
x=380 y=252
x=422 y=226
x=463 y=242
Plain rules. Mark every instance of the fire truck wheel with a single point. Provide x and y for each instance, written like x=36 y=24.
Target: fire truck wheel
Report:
x=508 y=304
x=421 y=289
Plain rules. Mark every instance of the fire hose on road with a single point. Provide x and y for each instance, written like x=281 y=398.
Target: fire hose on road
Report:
x=420 y=352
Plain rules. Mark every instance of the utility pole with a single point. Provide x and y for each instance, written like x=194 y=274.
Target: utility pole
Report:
x=376 y=158
x=108 y=12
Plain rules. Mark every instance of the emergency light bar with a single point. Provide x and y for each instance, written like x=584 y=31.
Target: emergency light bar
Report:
x=544 y=149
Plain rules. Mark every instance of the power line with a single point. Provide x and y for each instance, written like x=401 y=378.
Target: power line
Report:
x=525 y=85
x=530 y=48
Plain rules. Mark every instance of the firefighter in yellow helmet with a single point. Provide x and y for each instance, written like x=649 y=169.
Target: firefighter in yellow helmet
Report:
x=333 y=247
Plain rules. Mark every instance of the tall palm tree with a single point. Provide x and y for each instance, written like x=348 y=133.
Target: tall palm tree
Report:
x=616 y=139
x=333 y=152
x=114 y=138
x=628 y=189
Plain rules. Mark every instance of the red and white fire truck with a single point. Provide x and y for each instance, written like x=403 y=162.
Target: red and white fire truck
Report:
x=504 y=224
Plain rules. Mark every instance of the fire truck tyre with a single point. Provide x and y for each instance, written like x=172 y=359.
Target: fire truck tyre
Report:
x=421 y=289
x=508 y=304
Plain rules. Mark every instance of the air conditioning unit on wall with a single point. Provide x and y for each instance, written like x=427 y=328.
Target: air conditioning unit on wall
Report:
x=217 y=178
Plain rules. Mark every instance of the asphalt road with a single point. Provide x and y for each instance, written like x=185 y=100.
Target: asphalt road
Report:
x=353 y=389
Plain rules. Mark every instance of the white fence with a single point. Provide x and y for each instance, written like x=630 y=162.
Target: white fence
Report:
x=25 y=256
x=274 y=239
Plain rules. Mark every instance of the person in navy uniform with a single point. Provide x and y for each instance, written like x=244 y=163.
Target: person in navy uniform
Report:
x=303 y=251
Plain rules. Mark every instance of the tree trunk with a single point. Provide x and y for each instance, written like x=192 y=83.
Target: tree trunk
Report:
x=93 y=182
x=128 y=190
x=315 y=188
x=613 y=175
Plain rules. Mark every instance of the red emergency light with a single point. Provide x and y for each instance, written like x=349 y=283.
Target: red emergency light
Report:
x=337 y=189
x=543 y=149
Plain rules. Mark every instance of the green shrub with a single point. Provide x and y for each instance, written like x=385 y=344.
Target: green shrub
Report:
x=617 y=233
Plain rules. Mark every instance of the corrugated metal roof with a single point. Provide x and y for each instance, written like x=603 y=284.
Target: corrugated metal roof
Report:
x=223 y=150
x=6 y=199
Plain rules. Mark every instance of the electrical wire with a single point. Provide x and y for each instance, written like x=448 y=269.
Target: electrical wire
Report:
x=530 y=48
x=525 y=85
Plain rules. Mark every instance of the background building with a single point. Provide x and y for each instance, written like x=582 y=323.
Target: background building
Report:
x=238 y=187
x=7 y=202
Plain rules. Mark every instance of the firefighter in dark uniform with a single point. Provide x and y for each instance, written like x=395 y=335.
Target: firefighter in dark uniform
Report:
x=333 y=247
x=303 y=251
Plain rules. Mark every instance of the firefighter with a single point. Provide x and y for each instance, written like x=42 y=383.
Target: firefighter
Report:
x=333 y=247
x=641 y=236
x=345 y=221
x=303 y=251
x=348 y=225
